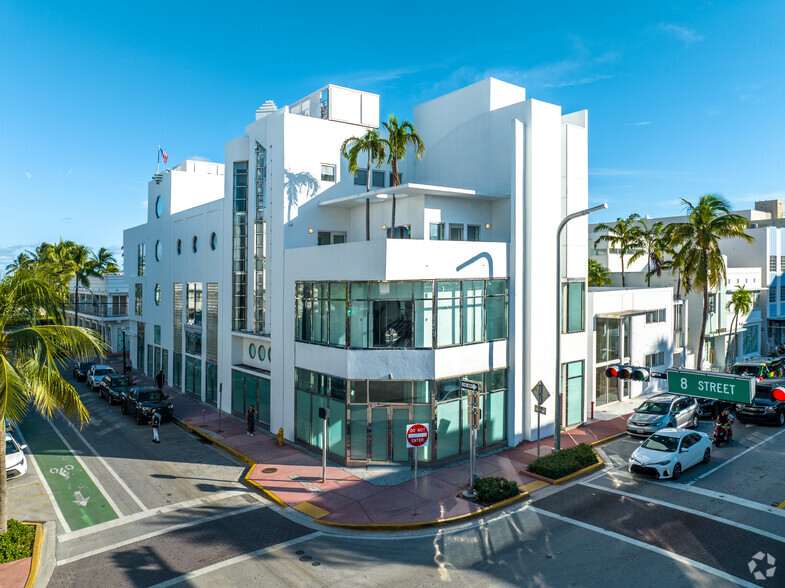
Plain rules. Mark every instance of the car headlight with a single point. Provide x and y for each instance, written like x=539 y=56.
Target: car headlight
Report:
x=665 y=462
x=771 y=408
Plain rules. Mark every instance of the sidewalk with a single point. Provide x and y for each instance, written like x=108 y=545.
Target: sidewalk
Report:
x=371 y=497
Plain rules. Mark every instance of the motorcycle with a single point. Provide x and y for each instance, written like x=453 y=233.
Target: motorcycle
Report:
x=722 y=434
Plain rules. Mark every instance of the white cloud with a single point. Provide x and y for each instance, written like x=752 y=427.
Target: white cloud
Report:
x=688 y=36
x=28 y=175
x=758 y=197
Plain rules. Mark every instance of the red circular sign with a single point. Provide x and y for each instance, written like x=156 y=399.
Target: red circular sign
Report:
x=417 y=435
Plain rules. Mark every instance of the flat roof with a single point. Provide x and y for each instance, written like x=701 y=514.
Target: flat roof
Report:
x=404 y=190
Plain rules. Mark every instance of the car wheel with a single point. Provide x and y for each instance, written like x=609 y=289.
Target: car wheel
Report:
x=695 y=421
x=676 y=472
x=707 y=455
x=781 y=419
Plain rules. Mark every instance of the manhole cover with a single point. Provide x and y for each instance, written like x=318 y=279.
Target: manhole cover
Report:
x=306 y=558
x=269 y=470
x=316 y=563
x=299 y=552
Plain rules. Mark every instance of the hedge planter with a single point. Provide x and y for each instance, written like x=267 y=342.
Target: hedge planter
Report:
x=560 y=464
x=17 y=542
x=492 y=490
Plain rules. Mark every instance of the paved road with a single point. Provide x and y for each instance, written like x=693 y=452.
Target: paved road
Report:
x=180 y=517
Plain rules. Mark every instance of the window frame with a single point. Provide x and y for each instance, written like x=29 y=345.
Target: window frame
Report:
x=326 y=177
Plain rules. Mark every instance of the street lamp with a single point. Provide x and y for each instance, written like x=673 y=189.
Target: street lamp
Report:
x=557 y=392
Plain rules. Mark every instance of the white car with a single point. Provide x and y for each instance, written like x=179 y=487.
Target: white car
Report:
x=15 y=460
x=97 y=373
x=668 y=452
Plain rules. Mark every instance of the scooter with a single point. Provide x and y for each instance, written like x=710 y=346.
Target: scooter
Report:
x=722 y=434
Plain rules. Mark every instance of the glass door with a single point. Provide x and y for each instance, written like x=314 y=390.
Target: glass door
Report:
x=380 y=433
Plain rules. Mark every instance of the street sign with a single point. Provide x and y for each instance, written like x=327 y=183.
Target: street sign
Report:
x=470 y=385
x=725 y=387
x=540 y=392
x=538 y=408
x=417 y=435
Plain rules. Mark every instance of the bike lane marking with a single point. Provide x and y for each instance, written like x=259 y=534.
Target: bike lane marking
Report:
x=75 y=494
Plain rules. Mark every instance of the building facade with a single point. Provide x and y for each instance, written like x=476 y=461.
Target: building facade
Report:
x=101 y=306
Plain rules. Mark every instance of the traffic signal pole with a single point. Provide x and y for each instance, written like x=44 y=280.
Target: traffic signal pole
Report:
x=557 y=416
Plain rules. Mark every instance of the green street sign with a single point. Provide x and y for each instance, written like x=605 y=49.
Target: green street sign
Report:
x=710 y=385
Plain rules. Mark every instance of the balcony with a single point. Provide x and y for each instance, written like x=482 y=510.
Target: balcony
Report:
x=99 y=309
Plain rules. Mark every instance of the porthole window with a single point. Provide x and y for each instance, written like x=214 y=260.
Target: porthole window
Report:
x=269 y=357
x=195 y=243
x=159 y=207
x=252 y=350
x=261 y=353
x=158 y=294
x=213 y=241
x=179 y=246
x=158 y=250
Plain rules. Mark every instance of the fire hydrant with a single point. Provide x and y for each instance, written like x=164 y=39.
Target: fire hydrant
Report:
x=280 y=437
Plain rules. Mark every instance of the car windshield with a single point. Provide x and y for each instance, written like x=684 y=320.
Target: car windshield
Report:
x=10 y=446
x=654 y=408
x=150 y=396
x=746 y=370
x=661 y=443
x=122 y=381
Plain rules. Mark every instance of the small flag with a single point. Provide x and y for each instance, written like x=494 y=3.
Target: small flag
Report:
x=164 y=155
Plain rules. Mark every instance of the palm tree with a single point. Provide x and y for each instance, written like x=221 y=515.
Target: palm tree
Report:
x=700 y=257
x=740 y=303
x=399 y=136
x=31 y=356
x=599 y=275
x=650 y=238
x=625 y=236
x=374 y=146
x=22 y=261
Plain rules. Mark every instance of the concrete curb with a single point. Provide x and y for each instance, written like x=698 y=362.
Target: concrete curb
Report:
x=606 y=439
x=37 y=547
x=428 y=524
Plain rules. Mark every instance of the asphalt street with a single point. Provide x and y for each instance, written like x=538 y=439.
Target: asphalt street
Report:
x=133 y=513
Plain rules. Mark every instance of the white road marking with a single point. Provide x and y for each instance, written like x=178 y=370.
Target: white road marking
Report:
x=642 y=545
x=154 y=512
x=735 y=457
x=142 y=538
x=707 y=493
x=31 y=459
x=236 y=560
x=123 y=485
x=87 y=470
x=643 y=498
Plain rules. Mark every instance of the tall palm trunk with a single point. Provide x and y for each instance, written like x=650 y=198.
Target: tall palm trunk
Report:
x=395 y=182
x=703 y=327
x=76 y=303
x=3 y=493
x=622 y=270
x=368 y=200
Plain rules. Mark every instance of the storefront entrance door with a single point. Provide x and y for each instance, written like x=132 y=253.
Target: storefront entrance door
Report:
x=386 y=434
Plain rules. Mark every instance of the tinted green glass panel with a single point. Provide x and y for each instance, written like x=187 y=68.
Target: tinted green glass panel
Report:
x=400 y=420
x=358 y=431
x=423 y=324
x=336 y=427
x=379 y=427
x=302 y=411
x=496 y=317
x=238 y=392
x=448 y=431
x=495 y=417
x=263 y=394
x=338 y=323
x=358 y=324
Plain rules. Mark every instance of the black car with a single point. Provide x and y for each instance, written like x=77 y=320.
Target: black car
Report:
x=114 y=388
x=81 y=368
x=141 y=400
x=711 y=407
x=764 y=407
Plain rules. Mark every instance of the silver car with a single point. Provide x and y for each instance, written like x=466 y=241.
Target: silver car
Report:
x=663 y=410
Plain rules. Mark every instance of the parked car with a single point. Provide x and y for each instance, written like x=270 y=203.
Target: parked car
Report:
x=668 y=452
x=97 y=373
x=711 y=407
x=141 y=400
x=764 y=407
x=114 y=388
x=15 y=460
x=760 y=368
x=81 y=368
x=663 y=410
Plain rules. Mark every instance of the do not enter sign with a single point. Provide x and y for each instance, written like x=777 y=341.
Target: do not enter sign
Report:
x=416 y=435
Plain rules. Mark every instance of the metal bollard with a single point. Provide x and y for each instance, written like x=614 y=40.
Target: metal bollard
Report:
x=203 y=417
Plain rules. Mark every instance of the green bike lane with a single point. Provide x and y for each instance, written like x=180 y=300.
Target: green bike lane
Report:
x=78 y=498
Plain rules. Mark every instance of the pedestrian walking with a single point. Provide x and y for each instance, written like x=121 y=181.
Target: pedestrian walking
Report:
x=250 y=419
x=160 y=380
x=155 y=422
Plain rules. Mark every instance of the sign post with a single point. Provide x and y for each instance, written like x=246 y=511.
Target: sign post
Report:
x=324 y=414
x=541 y=394
x=473 y=390
x=416 y=437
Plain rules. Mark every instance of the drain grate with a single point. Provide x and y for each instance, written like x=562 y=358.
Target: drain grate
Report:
x=269 y=470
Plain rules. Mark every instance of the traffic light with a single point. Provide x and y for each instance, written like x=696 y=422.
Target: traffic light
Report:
x=628 y=372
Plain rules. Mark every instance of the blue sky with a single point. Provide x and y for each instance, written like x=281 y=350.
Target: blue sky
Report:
x=684 y=98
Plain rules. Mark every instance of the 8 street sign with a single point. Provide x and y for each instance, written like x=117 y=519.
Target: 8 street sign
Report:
x=416 y=435
x=708 y=385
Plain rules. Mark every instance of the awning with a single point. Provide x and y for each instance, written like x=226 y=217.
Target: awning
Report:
x=404 y=190
x=620 y=314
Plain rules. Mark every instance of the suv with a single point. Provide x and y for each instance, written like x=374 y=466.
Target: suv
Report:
x=81 y=369
x=96 y=374
x=114 y=387
x=140 y=402
x=663 y=410
x=760 y=368
x=764 y=406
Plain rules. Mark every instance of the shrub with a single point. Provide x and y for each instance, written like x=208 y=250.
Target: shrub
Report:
x=17 y=542
x=491 y=490
x=563 y=463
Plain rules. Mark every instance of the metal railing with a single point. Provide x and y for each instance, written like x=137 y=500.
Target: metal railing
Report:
x=99 y=309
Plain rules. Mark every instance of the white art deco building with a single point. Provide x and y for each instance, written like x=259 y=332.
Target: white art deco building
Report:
x=253 y=283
